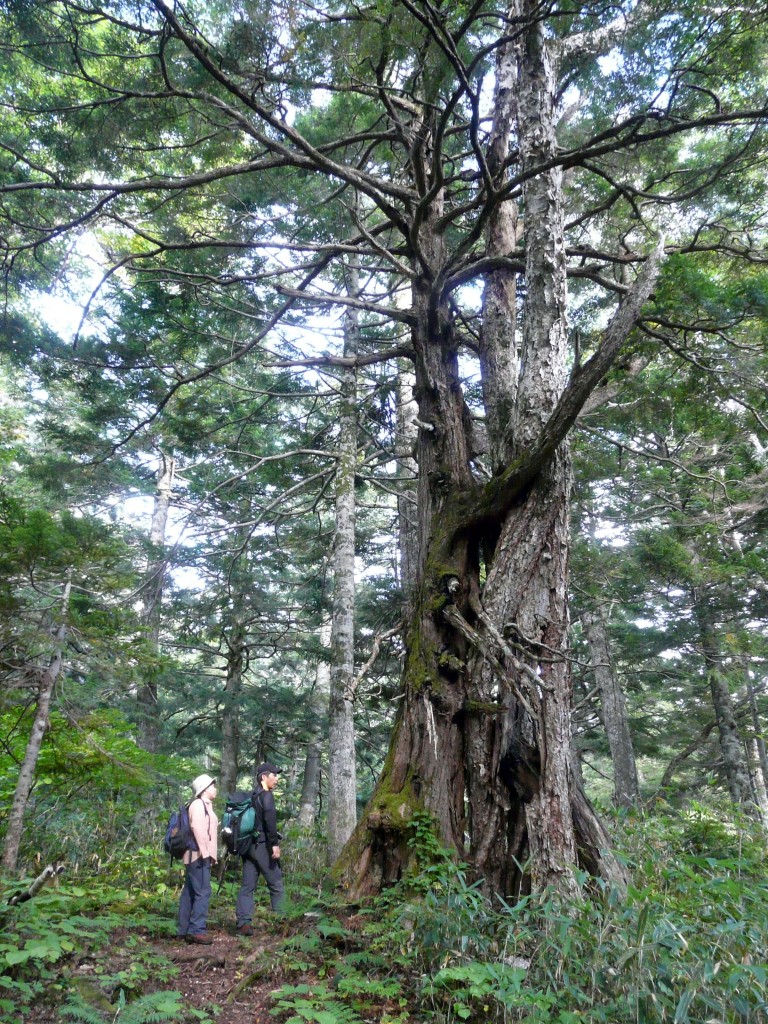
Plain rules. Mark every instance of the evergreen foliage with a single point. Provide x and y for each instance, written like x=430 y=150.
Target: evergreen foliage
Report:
x=196 y=187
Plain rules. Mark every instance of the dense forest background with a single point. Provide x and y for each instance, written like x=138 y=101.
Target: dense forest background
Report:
x=383 y=394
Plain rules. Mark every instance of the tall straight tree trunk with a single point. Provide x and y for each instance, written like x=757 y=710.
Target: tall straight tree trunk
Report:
x=48 y=677
x=310 y=786
x=734 y=764
x=149 y=721
x=232 y=708
x=758 y=782
x=626 y=790
x=757 y=725
x=309 y=804
x=499 y=337
x=342 y=768
x=756 y=757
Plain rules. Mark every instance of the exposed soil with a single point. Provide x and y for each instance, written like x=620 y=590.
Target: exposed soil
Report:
x=234 y=974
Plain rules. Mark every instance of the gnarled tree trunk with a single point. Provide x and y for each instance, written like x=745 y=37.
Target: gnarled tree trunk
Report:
x=483 y=740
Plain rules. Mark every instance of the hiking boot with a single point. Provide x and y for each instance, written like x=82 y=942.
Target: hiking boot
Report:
x=200 y=940
x=245 y=929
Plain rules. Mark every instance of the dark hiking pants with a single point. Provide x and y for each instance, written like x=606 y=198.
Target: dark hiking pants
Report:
x=258 y=862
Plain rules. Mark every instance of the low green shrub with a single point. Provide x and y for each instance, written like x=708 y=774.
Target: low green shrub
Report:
x=685 y=944
x=42 y=938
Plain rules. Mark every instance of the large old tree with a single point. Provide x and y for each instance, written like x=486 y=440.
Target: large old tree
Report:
x=488 y=155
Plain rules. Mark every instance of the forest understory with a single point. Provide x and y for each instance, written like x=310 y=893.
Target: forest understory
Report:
x=685 y=943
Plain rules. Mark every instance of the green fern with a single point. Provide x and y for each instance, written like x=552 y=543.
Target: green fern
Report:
x=78 y=1010
x=370 y=961
x=312 y=1003
x=153 y=1008
x=351 y=982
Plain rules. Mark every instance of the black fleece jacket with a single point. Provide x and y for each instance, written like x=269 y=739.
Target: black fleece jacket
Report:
x=267 y=813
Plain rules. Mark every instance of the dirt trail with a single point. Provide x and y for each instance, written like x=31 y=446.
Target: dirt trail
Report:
x=234 y=973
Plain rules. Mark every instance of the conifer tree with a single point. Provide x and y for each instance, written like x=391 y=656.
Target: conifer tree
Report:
x=455 y=127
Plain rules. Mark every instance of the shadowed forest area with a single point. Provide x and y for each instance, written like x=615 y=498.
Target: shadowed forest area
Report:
x=383 y=397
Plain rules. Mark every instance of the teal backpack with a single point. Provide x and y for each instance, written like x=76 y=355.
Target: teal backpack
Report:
x=238 y=826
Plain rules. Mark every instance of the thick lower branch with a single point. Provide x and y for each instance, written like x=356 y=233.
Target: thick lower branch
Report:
x=503 y=491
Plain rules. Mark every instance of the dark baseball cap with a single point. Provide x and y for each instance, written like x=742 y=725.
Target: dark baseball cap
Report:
x=266 y=769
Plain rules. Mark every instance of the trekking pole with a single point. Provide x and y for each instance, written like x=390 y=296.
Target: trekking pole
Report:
x=223 y=870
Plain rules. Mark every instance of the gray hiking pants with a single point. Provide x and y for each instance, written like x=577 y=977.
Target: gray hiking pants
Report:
x=195 y=896
x=258 y=862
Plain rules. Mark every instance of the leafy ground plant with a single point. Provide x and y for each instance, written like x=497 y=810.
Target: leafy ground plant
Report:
x=154 y=1008
x=683 y=945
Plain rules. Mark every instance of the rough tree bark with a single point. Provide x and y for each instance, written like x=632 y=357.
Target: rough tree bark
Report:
x=47 y=683
x=626 y=790
x=149 y=721
x=483 y=741
x=407 y=510
x=734 y=764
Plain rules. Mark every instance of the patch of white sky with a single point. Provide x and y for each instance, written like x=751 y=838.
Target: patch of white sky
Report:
x=62 y=306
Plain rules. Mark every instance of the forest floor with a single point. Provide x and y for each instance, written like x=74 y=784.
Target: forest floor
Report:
x=229 y=982
x=233 y=974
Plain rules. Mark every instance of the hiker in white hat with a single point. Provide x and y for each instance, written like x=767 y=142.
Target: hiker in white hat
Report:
x=196 y=894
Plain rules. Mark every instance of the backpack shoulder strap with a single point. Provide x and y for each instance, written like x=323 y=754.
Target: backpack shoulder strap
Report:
x=205 y=809
x=258 y=805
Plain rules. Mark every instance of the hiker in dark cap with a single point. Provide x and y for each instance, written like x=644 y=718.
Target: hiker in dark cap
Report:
x=263 y=857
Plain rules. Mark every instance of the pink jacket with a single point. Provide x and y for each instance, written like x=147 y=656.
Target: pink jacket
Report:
x=205 y=826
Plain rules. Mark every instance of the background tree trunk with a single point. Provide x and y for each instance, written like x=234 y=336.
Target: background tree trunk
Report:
x=310 y=787
x=230 y=717
x=757 y=725
x=149 y=721
x=626 y=790
x=309 y=804
x=342 y=770
x=758 y=782
x=734 y=764
x=48 y=677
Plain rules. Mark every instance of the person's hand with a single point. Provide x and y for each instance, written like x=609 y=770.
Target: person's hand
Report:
x=275 y=853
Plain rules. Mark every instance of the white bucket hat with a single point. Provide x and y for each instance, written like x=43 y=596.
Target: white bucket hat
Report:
x=200 y=784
